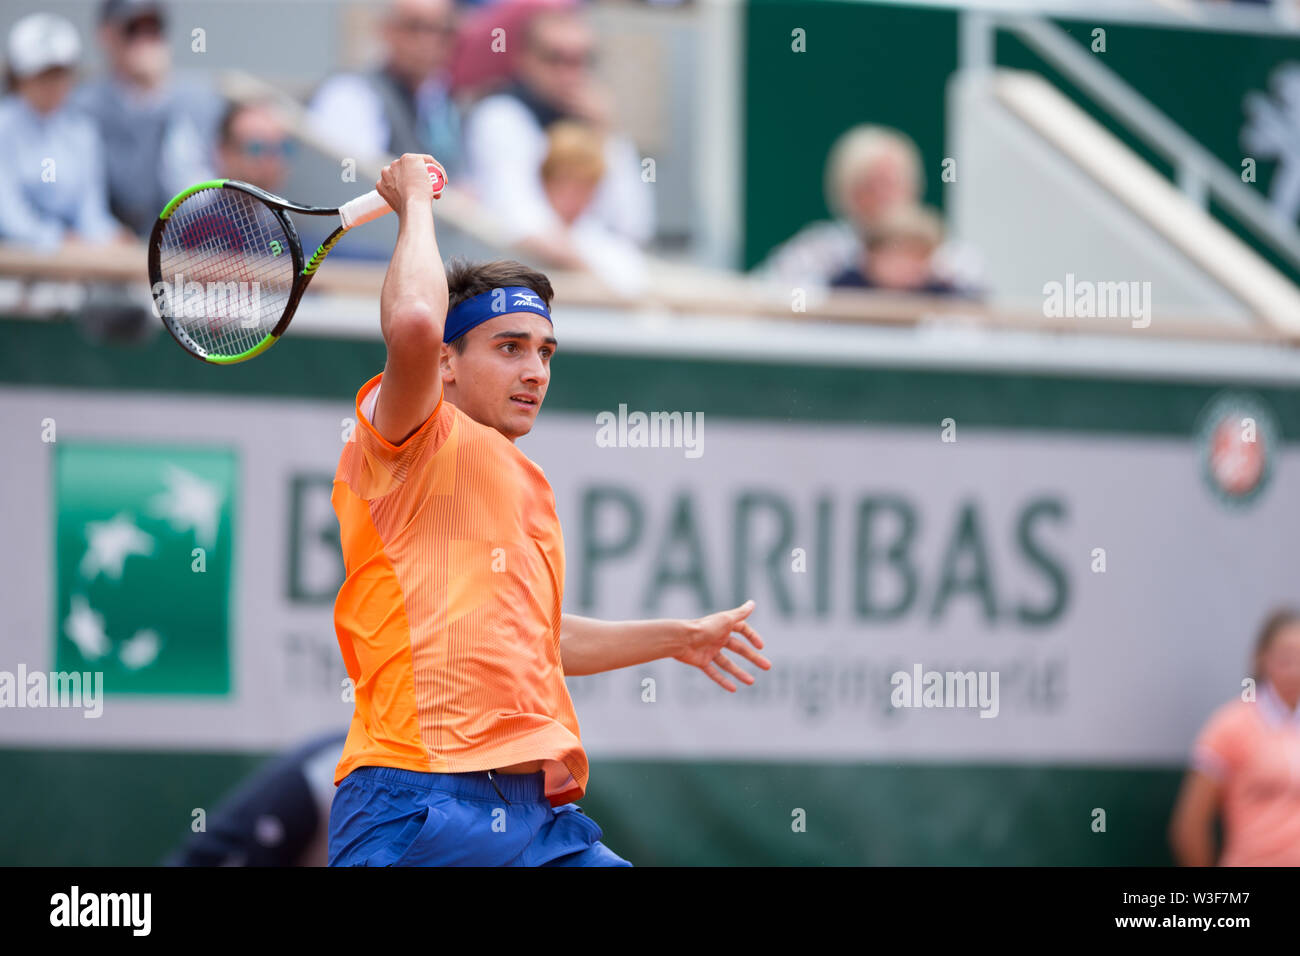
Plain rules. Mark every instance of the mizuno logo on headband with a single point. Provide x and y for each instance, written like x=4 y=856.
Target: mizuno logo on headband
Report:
x=489 y=305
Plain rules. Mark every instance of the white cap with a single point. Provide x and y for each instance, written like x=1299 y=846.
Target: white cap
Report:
x=42 y=40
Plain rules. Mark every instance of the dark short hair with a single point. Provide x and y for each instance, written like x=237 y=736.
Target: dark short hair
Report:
x=1274 y=624
x=233 y=110
x=468 y=279
x=126 y=9
x=227 y=122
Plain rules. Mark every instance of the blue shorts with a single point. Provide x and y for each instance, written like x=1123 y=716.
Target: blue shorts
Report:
x=382 y=816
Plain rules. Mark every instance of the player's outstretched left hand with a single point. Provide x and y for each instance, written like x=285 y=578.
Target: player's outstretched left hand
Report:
x=710 y=635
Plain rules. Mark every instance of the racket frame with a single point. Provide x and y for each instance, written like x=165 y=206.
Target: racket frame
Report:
x=303 y=272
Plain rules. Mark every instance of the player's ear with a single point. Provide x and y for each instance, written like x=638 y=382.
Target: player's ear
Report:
x=445 y=363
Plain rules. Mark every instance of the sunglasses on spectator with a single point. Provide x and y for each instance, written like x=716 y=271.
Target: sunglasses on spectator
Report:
x=260 y=148
x=146 y=26
x=574 y=58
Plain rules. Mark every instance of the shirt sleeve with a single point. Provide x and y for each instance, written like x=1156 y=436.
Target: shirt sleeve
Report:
x=501 y=149
x=94 y=221
x=624 y=202
x=384 y=465
x=814 y=255
x=20 y=220
x=185 y=155
x=347 y=112
x=1218 y=749
x=614 y=259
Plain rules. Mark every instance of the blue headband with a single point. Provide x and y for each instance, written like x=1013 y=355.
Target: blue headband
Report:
x=489 y=305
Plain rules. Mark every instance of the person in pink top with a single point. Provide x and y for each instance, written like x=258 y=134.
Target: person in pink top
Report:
x=1246 y=766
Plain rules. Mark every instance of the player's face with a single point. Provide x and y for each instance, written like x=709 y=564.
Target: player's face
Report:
x=501 y=378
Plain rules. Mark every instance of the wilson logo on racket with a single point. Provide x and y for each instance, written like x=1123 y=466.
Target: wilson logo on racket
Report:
x=221 y=232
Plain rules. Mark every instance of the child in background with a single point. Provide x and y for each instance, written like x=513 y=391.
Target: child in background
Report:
x=897 y=256
x=571 y=173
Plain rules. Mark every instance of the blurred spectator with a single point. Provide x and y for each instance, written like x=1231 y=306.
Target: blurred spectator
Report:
x=871 y=173
x=404 y=106
x=487 y=45
x=156 y=134
x=1246 y=766
x=253 y=146
x=506 y=141
x=51 y=166
x=279 y=816
x=571 y=173
x=898 y=255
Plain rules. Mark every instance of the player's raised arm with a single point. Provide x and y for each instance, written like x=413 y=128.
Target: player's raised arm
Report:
x=413 y=304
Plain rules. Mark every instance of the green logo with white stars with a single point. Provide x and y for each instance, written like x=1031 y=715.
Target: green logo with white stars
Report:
x=144 y=545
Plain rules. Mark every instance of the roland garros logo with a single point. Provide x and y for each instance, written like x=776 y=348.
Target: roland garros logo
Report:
x=1238 y=439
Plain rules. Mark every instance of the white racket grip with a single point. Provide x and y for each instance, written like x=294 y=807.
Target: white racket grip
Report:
x=372 y=205
x=364 y=209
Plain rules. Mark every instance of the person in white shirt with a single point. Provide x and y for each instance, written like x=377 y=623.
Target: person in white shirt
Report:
x=505 y=135
x=52 y=184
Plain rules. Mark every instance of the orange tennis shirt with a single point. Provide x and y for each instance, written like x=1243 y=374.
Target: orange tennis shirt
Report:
x=449 y=616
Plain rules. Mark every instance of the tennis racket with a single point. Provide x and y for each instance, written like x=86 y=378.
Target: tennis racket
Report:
x=226 y=267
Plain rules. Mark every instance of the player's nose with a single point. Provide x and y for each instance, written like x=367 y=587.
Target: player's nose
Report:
x=536 y=371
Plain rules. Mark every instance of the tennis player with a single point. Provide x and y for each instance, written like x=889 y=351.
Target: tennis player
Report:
x=1246 y=766
x=464 y=748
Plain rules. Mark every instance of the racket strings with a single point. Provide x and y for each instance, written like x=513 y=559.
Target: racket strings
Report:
x=227 y=266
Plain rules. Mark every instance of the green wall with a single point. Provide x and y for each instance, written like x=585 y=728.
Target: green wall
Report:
x=130 y=808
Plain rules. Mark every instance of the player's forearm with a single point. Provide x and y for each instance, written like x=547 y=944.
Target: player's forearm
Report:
x=415 y=286
x=589 y=646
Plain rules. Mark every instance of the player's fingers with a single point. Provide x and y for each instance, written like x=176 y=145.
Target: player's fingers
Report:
x=728 y=665
x=742 y=612
x=744 y=627
x=737 y=646
x=718 y=678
